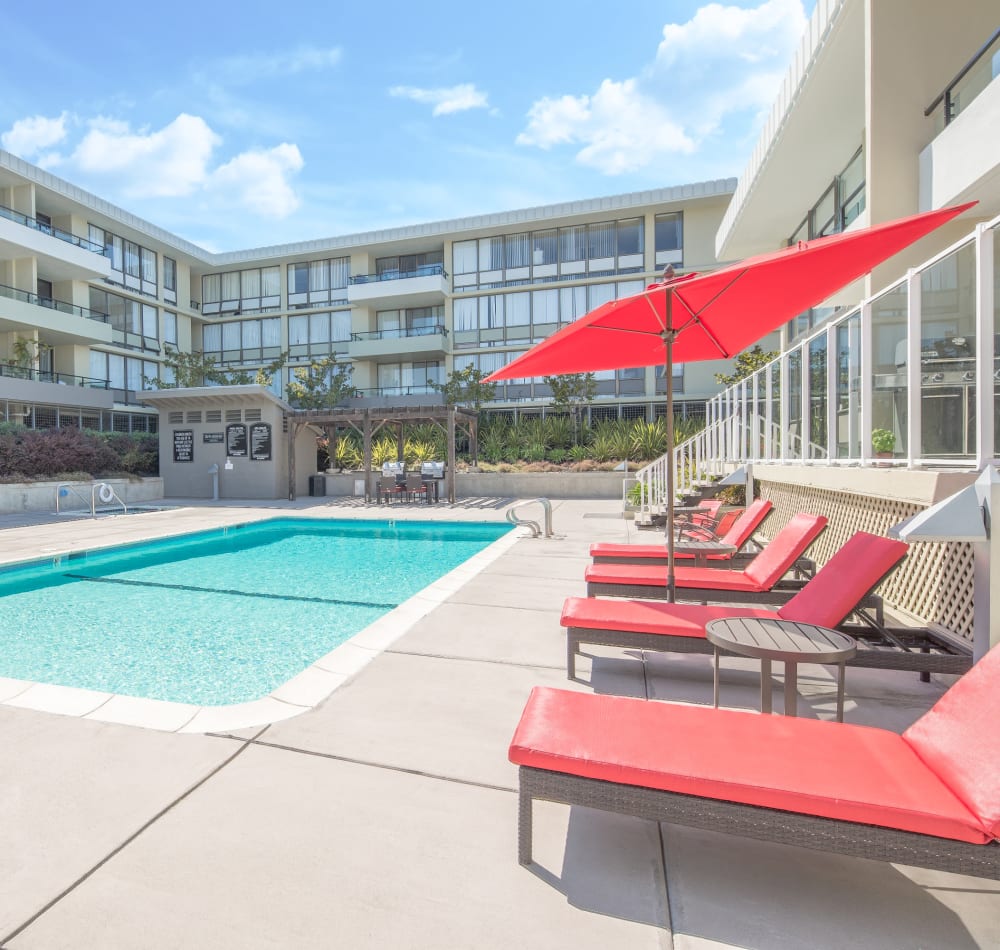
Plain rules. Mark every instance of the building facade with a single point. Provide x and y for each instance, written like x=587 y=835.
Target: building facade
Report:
x=93 y=299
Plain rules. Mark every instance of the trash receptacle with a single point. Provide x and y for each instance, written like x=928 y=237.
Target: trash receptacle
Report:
x=317 y=486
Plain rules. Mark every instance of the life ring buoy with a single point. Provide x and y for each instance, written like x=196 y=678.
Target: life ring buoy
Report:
x=106 y=493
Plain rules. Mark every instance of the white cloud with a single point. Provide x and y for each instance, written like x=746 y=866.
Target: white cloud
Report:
x=445 y=99
x=302 y=59
x=31 y=136
x=720 y=68
x=619 y=127
x=259 y=180
x=166 y=163
x=178 y=160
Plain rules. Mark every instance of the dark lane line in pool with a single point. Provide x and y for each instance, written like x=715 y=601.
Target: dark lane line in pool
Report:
x=235 y=593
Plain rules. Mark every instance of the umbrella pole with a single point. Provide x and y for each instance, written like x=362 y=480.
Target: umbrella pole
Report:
x=668 y=341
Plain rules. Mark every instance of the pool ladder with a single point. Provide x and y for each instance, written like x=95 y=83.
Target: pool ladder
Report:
x=535 y=528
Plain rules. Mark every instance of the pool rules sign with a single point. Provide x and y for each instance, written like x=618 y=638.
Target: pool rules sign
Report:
x=183 y=445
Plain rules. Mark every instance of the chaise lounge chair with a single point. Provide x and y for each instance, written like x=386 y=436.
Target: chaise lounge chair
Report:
x=759 y=582
x=738 y=535
x=927 y=798
x=837 y=590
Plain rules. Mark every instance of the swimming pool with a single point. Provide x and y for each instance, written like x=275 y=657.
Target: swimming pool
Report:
x=219 y=617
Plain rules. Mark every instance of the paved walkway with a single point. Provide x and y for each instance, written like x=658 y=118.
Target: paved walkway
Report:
x=386 y=817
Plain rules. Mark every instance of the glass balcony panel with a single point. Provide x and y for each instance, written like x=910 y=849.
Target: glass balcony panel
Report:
x=889 y=341
x=818 y=439
x=947 y=356
x=848 y=389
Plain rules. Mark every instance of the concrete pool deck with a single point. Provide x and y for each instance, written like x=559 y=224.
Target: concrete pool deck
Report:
x=386 y=815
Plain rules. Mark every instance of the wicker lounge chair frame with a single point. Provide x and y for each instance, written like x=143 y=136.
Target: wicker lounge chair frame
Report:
x=751 y=821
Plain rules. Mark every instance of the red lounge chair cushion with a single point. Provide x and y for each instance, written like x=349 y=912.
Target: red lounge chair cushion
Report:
x=841 y=583
x=655 y=575
x=644 y=616
x=833 y=770
x=789 y=544
x=959 y=740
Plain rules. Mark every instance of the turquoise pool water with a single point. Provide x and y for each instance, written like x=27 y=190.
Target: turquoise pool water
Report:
x=219 y=617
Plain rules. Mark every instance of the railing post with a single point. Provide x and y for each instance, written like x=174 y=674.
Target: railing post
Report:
x=985 y=357
x=913 y=446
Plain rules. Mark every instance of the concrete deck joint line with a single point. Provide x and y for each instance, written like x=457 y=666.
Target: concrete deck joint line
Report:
x=382 y=765
x=124 y=844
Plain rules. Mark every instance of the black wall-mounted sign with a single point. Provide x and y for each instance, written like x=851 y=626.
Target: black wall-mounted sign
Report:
x=236 y=440
x=213 y=437
x=260 y=442
x=183 y=445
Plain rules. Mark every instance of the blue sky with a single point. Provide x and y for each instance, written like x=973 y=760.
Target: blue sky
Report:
x=240 y=127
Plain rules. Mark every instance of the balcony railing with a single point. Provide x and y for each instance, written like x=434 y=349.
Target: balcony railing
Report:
x=424 y=270
x=11 y=215
x=60 y=379
x=424 y=389
x=61 y=305
x=401 y=333
x=970 y=81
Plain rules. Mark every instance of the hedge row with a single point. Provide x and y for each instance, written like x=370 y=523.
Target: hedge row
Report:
x=50 y=453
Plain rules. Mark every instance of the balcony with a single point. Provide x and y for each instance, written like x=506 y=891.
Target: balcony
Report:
x=62 y=322
x=62 y=256
x=20 y=383
x=962 y=163
x=416 y=341
x=422 y=287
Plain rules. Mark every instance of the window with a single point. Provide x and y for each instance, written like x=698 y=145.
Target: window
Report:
x=147 y=263
x=170 y=279
x=669 y=232
x=464 y=314
x=572 y=244
x=601 y=241
x=544 y=249
x=517 y=247
x=464 y=257
x=630 y=237
x=169 y=327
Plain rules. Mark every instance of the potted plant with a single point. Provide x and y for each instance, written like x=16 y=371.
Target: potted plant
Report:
x=883 y=443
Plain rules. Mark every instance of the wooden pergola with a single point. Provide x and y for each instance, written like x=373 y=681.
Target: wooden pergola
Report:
x=369 y=422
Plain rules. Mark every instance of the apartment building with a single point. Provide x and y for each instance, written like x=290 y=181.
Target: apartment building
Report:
x=93 y=298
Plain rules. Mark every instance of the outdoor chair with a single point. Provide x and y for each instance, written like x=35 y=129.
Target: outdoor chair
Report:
x=389 y=488
x=415 y=487
x=738 y=535
x=927 y=798
x=838 y=589
x=759 y=582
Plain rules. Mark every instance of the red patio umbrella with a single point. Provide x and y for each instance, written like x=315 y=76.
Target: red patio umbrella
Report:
x=718 y=314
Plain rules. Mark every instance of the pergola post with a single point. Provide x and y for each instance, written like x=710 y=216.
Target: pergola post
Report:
x=450 y=470
x=366 y=453
x=293 y=431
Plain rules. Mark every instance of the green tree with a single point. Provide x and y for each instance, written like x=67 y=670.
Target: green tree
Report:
x=322 y=384
x=261 y=377
x=571 y=392
x=465 y=387
x=190 y=369
x=747 y=362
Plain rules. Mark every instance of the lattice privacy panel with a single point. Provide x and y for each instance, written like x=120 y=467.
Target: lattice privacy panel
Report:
x=934 y=582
